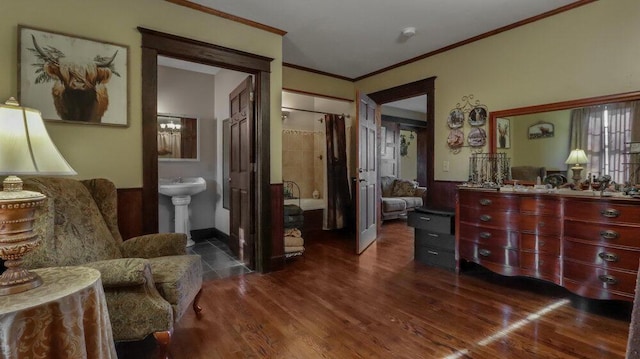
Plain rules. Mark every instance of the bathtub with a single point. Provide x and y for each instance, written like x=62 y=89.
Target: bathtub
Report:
x=307 y=204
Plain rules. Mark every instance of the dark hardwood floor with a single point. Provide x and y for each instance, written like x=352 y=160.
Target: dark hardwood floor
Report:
x=331 y=303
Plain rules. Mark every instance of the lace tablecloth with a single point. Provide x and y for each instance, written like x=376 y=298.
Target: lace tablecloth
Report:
x=66 y=317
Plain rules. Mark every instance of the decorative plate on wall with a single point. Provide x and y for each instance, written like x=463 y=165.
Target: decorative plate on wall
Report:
x=456 y=118
x=477 y=137
x=478 y=116
x=455 y=139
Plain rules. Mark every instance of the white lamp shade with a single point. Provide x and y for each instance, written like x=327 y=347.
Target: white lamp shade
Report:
x=577 y=157
x=25 y=145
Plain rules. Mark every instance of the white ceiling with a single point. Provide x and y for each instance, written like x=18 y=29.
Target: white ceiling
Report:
x=353 y=38
x=416 y=104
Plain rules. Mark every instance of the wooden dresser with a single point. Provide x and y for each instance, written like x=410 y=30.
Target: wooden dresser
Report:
x=585 y=244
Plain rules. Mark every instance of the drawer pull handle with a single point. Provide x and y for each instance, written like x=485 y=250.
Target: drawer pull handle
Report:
x=541 y=243
x=485 y=218
x=485 y=235
x=432 y=235
x=485 y=202
x=610 y=213
x=484 y=252
x=609 y=257
x=425 y=218
x=609 y=234
x=608 y=279
x=433 y=252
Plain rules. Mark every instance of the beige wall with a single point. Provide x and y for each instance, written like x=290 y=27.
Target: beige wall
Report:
x=116 y=153
x=589 y=51
x=299 y=80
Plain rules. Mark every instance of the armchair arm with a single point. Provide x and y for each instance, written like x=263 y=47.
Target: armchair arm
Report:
x=122 y=272
x=420 y=191
x=155 y=245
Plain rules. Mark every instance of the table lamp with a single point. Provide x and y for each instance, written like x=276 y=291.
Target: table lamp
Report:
x=25 y=149
x=577 y=157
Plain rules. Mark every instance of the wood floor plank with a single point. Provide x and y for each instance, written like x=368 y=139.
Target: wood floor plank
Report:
x=331 y=303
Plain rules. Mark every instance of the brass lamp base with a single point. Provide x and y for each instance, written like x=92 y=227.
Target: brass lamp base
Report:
x=577 y=170
x=17 y=238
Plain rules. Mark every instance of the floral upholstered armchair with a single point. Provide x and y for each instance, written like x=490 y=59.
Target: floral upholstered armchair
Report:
x=148 y=281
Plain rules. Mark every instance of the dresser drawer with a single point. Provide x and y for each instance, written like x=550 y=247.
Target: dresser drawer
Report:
x=598 y=278
x=489 y=201
x=541 y=244
x=535 y=205
x=481 y=253
x=540 y=265
x=602 y=256
x=436 y=257
x=620 y=235
x=431 y=222
x=489 y=236
x=487 y=217
x=602 y=211
x=425 y=238
x=540 y=224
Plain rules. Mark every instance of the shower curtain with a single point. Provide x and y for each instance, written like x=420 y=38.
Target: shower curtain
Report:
x=338 y=196
x=169 y=144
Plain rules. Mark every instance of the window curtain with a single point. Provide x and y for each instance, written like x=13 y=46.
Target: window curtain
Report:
x=338 y=194
x=605 y=138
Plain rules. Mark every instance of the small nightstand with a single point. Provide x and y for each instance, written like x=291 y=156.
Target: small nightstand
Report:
x=434 y=237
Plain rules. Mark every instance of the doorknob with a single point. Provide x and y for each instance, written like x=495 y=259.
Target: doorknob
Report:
x=360 y=170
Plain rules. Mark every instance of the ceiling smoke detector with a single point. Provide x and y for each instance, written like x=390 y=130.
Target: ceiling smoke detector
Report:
x=408 y=31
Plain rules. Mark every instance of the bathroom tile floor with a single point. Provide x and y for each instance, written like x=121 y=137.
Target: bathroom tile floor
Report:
x=217 y=259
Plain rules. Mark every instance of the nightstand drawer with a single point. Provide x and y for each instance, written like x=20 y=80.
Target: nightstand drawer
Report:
x=436 y=257
x=426 y=238
x=432 y=222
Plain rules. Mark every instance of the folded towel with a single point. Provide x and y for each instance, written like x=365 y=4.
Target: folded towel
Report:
x=292 y=232
x=294 y=224
x=293 y=241
x=293 y=249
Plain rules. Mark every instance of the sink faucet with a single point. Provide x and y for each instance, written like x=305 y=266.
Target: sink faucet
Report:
x=179 y=180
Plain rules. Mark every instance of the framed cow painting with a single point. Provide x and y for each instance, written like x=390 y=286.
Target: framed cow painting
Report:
x=73 y=79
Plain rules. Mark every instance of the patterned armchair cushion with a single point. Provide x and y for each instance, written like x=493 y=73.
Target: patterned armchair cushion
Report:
x=178 y=279
x=155 y=245
x=121 y=272
x=137 y=311
x=70 y=225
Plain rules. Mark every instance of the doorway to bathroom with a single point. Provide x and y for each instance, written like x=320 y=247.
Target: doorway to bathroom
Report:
x=154 y=44
x=304 y=152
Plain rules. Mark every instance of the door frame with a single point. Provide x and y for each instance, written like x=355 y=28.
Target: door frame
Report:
x=156 y=43
x=425 y=135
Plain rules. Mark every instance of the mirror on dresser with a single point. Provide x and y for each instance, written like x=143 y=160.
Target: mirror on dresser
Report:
x=177 y=138
x=544 y=135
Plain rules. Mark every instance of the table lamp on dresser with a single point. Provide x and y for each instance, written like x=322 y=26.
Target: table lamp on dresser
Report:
x=577 y=157
x=25 y=149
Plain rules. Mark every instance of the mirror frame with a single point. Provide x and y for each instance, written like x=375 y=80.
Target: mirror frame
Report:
x=590 y=101
x=184 y=117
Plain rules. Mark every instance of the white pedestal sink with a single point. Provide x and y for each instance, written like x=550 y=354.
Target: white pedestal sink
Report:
x=180 y=190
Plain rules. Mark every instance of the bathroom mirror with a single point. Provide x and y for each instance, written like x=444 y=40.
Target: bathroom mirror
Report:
x=178 y=138
x=510 y=133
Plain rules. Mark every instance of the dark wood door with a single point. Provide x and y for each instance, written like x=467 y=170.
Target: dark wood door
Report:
x=366 y=114
x=241 y=236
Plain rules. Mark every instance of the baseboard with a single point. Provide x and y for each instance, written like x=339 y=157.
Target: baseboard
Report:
x=199 y=235
x=223 y=237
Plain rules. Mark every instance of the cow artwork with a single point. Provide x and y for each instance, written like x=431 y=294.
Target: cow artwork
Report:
x=80 y=91
x=73 y=79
